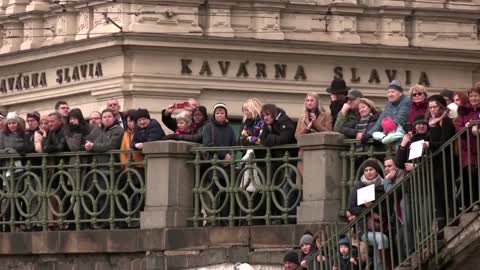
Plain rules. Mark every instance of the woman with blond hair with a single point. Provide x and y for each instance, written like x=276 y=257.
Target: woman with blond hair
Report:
x=418 y=94
x=313 y=119
x=252 y=122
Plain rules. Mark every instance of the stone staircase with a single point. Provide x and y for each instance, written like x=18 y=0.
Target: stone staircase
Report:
x=460 y=248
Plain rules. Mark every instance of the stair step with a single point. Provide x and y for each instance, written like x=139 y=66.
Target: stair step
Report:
x=404 y=268
x=466 y=218
x=450 y=232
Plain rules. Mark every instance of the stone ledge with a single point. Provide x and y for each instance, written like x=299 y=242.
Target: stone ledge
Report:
x=153 y=240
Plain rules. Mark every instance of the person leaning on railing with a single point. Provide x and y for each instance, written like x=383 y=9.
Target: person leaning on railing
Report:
x=146 y=129
x=127 y=139
x=167 y=118
x=76 y=130
x=54 y=140
x=313 y=119
x=252 y=123
x=200 y=118
x=377 y=223
x=418 y=95
x=219 y=132
x=419 y=132
x=441 y=129
x=397 y=108
x=348 y=115
x=468 y=117
x=40 y=133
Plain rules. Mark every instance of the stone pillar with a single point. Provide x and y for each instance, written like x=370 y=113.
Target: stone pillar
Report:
x=321 y=177
x=217 y=18
x=169 y=198
x=32 y=31
x=38 y=5
x=13 y=33
x=16 y=6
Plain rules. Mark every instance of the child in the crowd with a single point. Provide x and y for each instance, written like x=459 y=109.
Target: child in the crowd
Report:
x=348 y=258
x=391 y=134
x=307 y=247
x=184 y=123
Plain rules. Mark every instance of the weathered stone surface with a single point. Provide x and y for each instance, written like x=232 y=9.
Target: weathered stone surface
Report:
x=228 y=236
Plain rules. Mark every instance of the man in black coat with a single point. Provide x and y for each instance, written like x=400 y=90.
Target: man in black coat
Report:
x=55 y=140
x=146 y=129
x=279 y=128
x=338 y=91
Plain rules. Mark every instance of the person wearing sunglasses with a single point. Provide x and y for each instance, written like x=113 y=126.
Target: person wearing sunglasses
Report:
x=419 y=95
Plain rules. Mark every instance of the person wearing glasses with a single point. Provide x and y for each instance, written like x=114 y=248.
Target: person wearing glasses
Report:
x=419 y=96
x=62 y=108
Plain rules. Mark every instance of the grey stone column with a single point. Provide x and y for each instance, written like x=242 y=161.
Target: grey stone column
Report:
x=321 y=177
x=169 y=198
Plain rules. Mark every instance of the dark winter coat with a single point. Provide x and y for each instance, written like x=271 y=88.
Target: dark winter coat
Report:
x=349 y=128
x=466 y=115
x=30 y=141
x=12 y=143
x=105 y=139
x=335 y=108
x=76 y=139
x=55 y=141
x=417 y=109
x=345 y=263
x=218 y=134
x=169 y=121
x=196 y=136
x=281 y=131
x=403 y=152
x=153 y=132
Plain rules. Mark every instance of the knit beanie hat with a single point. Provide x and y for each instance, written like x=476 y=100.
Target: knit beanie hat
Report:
x=291 y=256
x=395 y=85
x=373 y=164
x=439 y=99
x=35 y=115
x=14 y=116
x=419 y=119
x=344 y=241
x=447 y=93
x=306 y=239
x=141 y=113
x=220 y=105
x=388 y=125
x=183 y=115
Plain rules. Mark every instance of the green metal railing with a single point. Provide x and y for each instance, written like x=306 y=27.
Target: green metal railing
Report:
x=74 y=190
x=405 y=226
x=351 y=160
x=260 y=188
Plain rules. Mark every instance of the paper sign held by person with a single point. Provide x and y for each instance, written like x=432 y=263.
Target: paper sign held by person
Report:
x=366 y=194
x=416 y=149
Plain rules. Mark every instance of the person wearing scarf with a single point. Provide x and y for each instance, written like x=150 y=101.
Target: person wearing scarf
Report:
x=375 y=234
x=419 y=132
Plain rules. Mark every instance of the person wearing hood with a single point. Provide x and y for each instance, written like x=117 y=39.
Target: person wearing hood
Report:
x=348 y=255
x=219 y=132
x=76 y=130
x=419 y=132
x=377 y=225
x=419 y=96
x=146 y=129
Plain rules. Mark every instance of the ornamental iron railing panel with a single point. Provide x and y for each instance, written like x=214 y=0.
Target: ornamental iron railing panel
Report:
x=74 y=190
x=405 y=226
x=257 y=186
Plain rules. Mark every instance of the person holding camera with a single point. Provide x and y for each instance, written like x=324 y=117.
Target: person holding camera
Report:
x=187 y=106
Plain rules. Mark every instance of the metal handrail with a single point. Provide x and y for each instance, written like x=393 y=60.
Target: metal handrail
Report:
x=264 y=189
x=418 y=238
x=71 y=190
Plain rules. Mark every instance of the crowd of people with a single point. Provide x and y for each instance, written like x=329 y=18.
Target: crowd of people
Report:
x=405 y=118
x=433 y=119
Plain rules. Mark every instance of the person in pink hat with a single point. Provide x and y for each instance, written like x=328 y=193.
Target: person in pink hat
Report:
x=391 y=134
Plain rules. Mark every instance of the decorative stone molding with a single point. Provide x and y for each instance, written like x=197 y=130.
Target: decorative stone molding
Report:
x=16 y=6
x=343 y=29
x=217 y=18
x=38 y=5
x=32 y=31
x=12 y=37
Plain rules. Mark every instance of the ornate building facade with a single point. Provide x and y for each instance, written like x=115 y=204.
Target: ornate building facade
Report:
x=154 y=52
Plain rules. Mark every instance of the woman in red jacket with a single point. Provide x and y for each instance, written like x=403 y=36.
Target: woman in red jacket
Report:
x=418 y=94
x=467 y=116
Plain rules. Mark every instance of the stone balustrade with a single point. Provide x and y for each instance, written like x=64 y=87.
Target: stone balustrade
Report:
x=27 y=25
